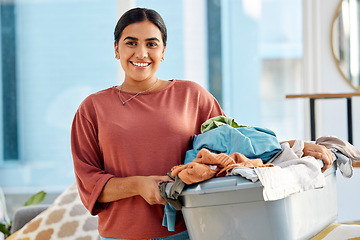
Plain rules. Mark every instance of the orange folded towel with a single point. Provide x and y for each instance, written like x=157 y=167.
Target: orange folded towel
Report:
x=207 y=165
x=194 y=172
x=242 y=161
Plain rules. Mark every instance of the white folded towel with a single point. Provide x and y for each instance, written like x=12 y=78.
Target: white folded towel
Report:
x=248 y=173
x=292 y=173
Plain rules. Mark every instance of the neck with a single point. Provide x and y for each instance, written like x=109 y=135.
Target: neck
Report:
x=147 y=85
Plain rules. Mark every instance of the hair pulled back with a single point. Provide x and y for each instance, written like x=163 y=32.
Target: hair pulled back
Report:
x=139 y=15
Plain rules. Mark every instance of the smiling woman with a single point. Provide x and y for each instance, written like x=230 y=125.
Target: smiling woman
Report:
x=141 y=50
x=126 y=138
x=123 y=149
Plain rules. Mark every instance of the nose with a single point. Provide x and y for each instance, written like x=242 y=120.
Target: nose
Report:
x=141 y=52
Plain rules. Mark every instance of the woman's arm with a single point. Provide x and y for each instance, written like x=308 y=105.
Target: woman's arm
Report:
x=319 y=152
x=145 y=186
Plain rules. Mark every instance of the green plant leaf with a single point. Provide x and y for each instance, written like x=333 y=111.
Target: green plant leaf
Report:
x=4 y=229
x=36 y=198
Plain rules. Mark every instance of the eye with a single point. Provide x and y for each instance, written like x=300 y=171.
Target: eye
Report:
x=131 y=43
x=152 y=44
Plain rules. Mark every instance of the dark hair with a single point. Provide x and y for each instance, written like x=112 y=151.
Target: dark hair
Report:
x=139 y=15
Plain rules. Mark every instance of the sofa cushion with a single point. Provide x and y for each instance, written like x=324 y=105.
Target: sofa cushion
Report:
x=66 y=218
x=25 y=214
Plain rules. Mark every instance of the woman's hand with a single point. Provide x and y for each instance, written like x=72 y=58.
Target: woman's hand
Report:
x=319 y=152
x=145 y=186
x=149 y=189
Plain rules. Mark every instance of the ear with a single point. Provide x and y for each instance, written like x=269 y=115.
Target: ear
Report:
x=163 y=53
x=117 y=54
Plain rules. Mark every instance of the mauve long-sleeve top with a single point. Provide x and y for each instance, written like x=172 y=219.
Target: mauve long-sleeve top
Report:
x=147 y=136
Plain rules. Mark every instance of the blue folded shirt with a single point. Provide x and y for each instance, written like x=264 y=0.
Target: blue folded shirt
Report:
x=253 y=142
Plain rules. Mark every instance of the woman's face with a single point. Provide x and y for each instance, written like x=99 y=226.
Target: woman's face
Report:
x=140 y=50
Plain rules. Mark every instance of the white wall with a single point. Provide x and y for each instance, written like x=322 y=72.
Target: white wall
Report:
x=322 y=76
x=195 y=52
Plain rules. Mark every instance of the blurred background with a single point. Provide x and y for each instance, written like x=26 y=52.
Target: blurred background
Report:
x=249 y=54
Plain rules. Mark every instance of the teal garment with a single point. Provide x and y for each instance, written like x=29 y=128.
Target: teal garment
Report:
x=219 y=121
x=176 y=187
x=253 y=142
x=190 y=155
x=179 y=236
x=169 y=218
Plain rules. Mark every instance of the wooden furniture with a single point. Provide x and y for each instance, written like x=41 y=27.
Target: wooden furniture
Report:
x=356 y=164
x=313 y=97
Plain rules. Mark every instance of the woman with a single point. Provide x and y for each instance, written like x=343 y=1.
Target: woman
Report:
x=126 y=138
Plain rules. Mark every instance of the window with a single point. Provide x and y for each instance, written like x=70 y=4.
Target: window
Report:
x=262 y=62
x=53 y=55
x=9 y=82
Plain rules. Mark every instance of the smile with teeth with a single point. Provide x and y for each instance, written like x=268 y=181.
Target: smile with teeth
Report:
x=140 y=64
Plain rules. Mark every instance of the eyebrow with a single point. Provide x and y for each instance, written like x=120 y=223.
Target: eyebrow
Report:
x=136 y=39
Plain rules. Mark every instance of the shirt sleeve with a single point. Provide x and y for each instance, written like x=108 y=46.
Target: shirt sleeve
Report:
x=209 y=107
x=216 y=110
x=88 y=163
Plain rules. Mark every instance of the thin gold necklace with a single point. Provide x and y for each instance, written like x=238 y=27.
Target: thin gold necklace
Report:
x=123 y=102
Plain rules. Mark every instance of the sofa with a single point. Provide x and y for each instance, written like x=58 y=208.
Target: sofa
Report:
x=65 y=218
x=25 y=214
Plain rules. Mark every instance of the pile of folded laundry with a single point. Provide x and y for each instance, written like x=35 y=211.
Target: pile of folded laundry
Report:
x=226 y=148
